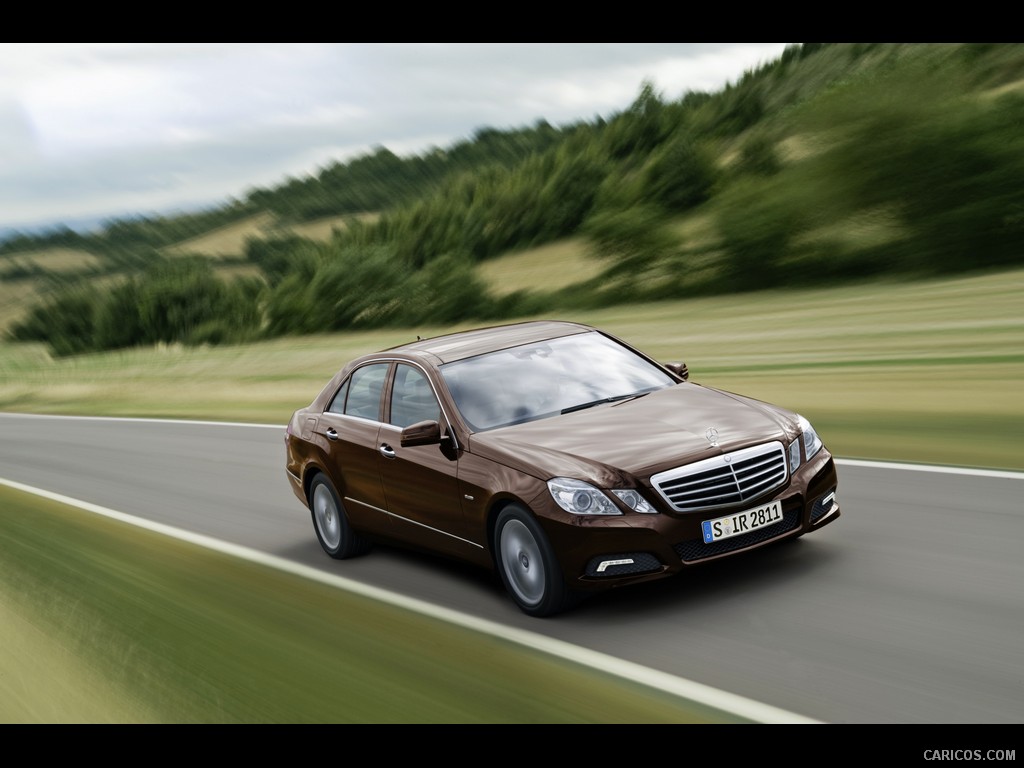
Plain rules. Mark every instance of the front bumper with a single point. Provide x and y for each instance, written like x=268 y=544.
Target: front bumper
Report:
x=613 y=551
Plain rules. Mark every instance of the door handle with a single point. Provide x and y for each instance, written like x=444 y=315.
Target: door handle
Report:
x=386 y=451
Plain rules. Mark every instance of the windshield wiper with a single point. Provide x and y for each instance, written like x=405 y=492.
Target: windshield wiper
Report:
x=603 y=400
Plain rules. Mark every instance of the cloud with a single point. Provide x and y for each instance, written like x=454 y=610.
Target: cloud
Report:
x=101 y=130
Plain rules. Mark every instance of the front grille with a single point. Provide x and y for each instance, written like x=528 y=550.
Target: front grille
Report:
x=722 y=481
x=696 y=549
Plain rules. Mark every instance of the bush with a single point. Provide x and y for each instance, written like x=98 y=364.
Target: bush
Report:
x=680 y=175
x=953 y=172
x=175 y=301
x=444 y=292
x=757 y=226
x=759 y=157
x=66 y=321
x=358 y=288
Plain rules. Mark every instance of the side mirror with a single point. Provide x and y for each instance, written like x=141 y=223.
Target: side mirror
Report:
x=679 y=369
x=421 y=433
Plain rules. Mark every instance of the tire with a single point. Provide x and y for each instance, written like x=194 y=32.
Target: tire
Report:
x=527 y=564
x=333 y=530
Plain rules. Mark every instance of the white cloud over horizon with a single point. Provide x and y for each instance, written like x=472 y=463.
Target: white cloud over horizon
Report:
x=98 y=131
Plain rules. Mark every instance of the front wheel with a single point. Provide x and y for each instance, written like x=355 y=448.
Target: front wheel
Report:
x=527 y=564
x=333 y=530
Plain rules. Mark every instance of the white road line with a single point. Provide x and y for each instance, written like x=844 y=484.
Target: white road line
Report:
x=946 y=470
x=144 y=421
x=687 y=689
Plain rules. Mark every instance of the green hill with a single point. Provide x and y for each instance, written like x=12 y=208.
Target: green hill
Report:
x=833 y=163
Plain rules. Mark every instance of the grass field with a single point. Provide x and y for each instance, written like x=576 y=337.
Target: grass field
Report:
x=103 y=622
x=550 y=267
x=57 y=260
x=16 y=299
x=923 y=371
x=228 y=240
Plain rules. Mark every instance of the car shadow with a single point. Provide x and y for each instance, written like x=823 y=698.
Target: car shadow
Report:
x=780 y=566
x=459 y=585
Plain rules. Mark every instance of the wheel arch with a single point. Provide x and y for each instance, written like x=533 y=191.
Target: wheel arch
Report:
x=496 y=507
x=311 y=473
x=312 y=470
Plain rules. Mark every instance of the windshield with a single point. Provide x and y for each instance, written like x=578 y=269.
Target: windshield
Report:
x=543 y=379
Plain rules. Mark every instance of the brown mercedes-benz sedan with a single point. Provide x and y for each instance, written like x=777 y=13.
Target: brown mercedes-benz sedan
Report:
x=555 y=453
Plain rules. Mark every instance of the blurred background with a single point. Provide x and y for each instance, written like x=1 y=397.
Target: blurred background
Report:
x=836 y=227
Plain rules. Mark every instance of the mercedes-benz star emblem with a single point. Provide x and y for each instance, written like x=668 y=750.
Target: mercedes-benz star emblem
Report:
x=712 y=435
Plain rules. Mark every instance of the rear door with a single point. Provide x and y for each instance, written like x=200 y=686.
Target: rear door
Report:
x=351 y=425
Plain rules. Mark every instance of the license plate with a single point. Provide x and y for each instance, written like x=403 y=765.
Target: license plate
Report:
x=741 y=522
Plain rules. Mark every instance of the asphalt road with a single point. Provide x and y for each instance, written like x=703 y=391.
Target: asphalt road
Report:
x=908 y=609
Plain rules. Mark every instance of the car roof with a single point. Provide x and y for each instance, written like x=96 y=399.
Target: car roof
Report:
x=463 y=344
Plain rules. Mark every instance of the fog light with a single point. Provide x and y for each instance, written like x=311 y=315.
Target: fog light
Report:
x=616 y=565
x=606 y=564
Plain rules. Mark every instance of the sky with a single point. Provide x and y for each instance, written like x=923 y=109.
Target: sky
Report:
x=95 y=131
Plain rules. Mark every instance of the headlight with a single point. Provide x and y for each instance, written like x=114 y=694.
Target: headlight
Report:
x=580 y=498
x=812 y=443
x=794 y=455
x=635 y=501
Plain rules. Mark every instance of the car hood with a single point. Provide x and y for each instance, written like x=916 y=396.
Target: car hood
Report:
x=620 y=443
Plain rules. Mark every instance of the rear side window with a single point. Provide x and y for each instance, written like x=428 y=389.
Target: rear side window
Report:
x=338 y=403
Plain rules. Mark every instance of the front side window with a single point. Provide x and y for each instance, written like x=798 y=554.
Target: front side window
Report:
x=412 y=398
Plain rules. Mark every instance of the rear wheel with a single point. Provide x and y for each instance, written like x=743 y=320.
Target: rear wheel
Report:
x=527 y=564
x=333 y=530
